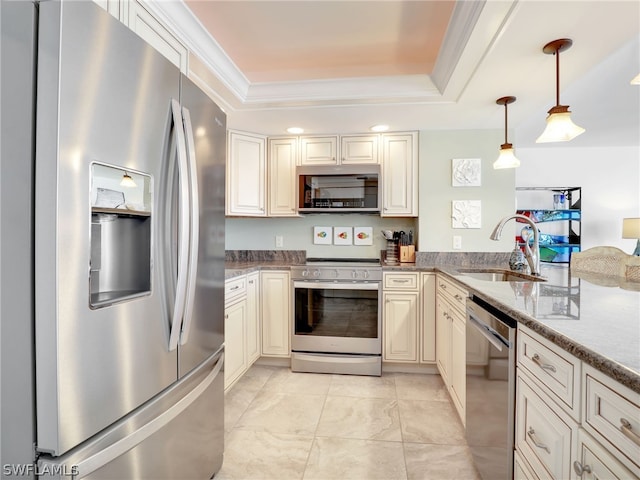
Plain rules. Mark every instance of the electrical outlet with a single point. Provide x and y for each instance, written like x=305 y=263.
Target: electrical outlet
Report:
x=279 y=241
x=457 y=242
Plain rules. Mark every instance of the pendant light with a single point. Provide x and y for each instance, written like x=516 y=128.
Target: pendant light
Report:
x=559 y=128
x=507 y=158
x=127 y=181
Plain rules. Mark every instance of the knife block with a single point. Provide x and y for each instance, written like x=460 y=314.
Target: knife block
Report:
x=407 y=253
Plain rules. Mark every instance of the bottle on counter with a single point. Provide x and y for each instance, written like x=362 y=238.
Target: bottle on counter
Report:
x=517 y=260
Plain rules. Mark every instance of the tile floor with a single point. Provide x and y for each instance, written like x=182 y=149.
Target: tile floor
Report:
x=283 y=425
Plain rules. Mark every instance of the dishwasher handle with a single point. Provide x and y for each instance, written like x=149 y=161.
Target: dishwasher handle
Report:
x=489 y=333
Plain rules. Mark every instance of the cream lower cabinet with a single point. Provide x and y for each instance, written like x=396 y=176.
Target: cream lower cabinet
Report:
x=254 y=340
x=246 y=175
x=569 y=416
x=451 y=339
x=275 y=295
x=400 y=326
x=428 y=322
x=409 y=317
x=235 y=332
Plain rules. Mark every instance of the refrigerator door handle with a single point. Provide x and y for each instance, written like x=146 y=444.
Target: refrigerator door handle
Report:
x=195 y=226
x=82 y=468
x=183 y=226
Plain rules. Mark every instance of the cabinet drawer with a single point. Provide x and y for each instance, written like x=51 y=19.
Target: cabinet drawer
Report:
x=456 y=295
x=612 y=415
x=234 y=288
x=521 y=470
x=594 y=462
x=556 y=370
x=401 y=281
x=544 y=437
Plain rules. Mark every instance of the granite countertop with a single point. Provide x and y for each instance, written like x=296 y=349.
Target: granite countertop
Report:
x=598 y=323
x=592 y=318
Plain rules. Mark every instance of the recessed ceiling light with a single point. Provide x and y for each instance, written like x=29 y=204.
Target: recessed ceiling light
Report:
x=295 y=130
x=379 y=128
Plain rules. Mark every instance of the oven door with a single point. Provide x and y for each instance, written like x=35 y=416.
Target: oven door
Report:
x=333 y=317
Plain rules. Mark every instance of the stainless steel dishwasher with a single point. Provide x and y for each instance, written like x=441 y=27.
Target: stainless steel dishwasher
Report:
x=490 y=393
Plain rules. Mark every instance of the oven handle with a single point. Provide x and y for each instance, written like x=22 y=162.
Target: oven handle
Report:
x=337 y=286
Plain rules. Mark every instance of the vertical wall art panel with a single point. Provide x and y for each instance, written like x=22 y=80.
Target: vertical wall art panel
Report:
x=466 y=214
x=466 y=172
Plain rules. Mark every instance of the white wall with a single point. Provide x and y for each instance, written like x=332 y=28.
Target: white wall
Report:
x=497 y=192
x=610 y=181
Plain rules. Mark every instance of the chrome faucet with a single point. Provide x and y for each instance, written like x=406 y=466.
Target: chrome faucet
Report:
x=533 y=257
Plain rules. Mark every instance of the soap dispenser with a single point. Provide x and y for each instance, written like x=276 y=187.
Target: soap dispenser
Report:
x=517 y=260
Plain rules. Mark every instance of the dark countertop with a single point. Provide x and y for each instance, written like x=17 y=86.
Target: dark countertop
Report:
x=592 y=318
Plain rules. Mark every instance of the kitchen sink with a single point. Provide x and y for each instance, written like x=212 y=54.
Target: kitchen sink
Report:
x=499 y=275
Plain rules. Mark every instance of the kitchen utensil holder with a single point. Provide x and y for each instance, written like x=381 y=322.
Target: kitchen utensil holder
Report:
x=392 y=252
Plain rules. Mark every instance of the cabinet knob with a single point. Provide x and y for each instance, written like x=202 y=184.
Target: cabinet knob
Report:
x=580 y=469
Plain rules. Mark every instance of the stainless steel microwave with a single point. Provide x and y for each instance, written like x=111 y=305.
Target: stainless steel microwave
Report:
x=340 y=188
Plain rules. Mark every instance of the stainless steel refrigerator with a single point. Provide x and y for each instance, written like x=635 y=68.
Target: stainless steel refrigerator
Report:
x=112 y=244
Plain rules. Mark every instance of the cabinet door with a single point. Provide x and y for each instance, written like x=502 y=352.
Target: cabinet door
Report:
x=246 y=175
x=428 y=325
x=400 y=175
x=282 y=177
x=157 y=35
x=235 y=357
x=458 y=365
x=253 y=318
x=275 y=297
x=355 y=150
x=594 y=462
x=318 y=150
x=443 y=340
x=400 y=327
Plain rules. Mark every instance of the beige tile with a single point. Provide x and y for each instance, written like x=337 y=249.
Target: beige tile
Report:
x=340 y=458
x=441 y=462
x=283 y=413
x=285 y=381
x=361 y=386
x=263 y=455
x=236 y=401
x=430 y=422
x=421 y=387
x=363 y=418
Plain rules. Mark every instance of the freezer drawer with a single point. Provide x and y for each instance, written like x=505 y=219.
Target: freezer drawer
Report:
x=179 y=434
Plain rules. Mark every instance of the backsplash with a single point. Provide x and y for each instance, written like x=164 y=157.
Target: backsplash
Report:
x=462 y=259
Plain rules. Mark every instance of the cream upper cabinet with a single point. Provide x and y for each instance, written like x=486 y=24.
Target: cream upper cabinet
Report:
x=114 y=7
x=400 y=174
x=281 y=172
x=275 y=294
x=147 y=26
x=319 y=150
x=246 y=174
x=359 y=149
x=428 y=330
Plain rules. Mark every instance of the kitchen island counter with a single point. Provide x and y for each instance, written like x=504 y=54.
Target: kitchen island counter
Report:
x=591 y=317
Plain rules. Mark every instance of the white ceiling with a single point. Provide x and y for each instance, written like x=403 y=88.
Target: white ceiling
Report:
x=342 y=66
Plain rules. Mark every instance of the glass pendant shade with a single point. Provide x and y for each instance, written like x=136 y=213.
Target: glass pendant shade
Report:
x=127 y=181
x=560 y=127
x=506 y=158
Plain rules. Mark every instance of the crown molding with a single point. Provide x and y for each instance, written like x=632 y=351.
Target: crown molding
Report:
x=451 y=74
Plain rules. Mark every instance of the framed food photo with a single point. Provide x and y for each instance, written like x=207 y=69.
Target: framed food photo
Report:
x=322 y=235
x=342 y=235
x=362 y=235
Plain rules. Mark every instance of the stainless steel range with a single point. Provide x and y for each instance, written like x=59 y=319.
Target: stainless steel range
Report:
x=337 y=316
